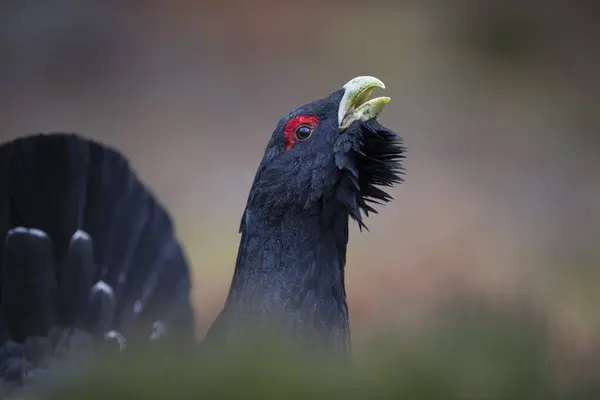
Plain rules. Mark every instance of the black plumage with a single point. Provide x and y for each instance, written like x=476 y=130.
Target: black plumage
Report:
x=87 y=247
x=29 y=297
x=63 y=184
x=290 y=266
x=105 y=259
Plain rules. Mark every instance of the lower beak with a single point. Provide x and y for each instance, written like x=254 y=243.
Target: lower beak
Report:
x=354 y=105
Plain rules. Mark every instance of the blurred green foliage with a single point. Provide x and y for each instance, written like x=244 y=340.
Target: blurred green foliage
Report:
x=469 y=351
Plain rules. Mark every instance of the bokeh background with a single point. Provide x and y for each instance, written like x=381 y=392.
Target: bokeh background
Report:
x=495 y=230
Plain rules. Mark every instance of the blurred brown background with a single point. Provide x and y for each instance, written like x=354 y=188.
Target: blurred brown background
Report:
x=498 y=102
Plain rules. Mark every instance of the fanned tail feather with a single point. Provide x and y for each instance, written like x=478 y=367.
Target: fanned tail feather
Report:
x=89 y=252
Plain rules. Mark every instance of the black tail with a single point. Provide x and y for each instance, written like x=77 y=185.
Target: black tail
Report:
x=87 y=245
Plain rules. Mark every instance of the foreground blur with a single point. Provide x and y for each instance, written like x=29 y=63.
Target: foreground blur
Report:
x=462 y=355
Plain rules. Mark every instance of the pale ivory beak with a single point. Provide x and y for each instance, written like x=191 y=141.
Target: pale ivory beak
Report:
x=354 y=105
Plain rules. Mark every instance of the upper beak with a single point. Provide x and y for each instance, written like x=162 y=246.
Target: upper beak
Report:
x=354 y=105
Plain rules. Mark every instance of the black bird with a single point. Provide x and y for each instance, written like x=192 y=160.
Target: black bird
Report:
x=90 y=255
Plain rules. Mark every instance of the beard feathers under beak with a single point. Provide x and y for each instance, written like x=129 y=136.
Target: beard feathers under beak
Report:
x=370 y=155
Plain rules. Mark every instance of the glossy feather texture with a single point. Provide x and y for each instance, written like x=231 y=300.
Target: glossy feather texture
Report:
x=291 y=261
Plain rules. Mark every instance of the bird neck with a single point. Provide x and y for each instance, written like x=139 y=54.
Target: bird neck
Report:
x=290 y=271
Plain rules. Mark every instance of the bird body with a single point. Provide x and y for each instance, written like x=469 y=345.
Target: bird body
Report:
x=96 y=251
x=320 y=168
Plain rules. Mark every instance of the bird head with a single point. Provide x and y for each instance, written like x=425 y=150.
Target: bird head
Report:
x=331 y=153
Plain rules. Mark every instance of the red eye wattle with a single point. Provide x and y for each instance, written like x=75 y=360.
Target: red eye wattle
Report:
x=299 y=128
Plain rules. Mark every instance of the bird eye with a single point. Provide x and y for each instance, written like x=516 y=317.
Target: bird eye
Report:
x=299 y=129
x=303 y=132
